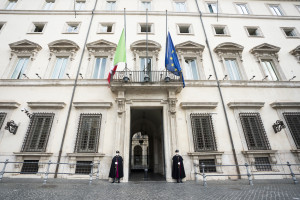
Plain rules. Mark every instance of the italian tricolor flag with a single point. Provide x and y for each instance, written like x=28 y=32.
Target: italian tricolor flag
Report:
x=120 y=56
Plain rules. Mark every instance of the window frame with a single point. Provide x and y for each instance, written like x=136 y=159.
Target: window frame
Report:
x=100 y=68
x=190 y=27
x=187 y=74
x=54 y=68
x=279 y=9
x=69 y=24
x=106 y=23
x=212 y=2
x=237 y=68
x=22 y=71
x=9 y=2
x=106 y=5
x=33 y=26
x=297 y=35
x=239 y=9
x=253 y=27
x=262 y=63
x=180 y=1
x=139 y=27
x=225 y=28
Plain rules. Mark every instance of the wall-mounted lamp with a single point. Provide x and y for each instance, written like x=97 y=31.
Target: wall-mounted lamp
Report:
x=146 y=78
x=80 y=74
x=209 y=77
x=12 y=127
x=167 y=78
x=292 y=78
x=126 y=78
x=278 y=126
x=25 y=76
x=68 y=75
x=252 y=78
x=225 y=77
x=38 y=76
x=27 y=113
x=265 y=78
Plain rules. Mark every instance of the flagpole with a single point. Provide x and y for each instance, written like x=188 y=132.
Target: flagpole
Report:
x=217 y=10
x=166 y=35
x=125 y=39
x=146 y=40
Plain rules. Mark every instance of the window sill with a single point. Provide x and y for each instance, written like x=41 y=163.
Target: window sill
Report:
x=142 y=33
x=292 y=37
x=255 y=36
x=105 y=32
x=222 y=35
x=186 y=34
x=35 y=33
x=70 y=33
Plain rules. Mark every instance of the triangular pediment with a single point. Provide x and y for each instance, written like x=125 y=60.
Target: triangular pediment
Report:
x=228 y=46
x=101 y=44
x=295 y=51
x=142 y=45
x=25 y=44
x=63 y=44
x=265 y=47
x=189 y=45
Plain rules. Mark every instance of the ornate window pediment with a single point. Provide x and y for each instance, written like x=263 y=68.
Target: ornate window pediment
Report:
x=265 y=50
x=63 y=46
x=101 y=46
x=296 y=52
x=229 y=48
x=189 y=47
x=25 y=47
x=141 y=46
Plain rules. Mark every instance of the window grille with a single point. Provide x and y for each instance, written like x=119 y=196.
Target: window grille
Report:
x=207 y=169
x=2 y=118
x=38 y=132
x=262 y=164
x=203 y=132
x=83 y=167
x=254 y=131
x=88 y=133
x=293 y=121
x=30 y=167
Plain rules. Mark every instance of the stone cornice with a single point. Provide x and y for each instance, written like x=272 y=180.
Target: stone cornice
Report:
x=285 y=105
x=10 y=104
x=41 y=154
x=259 y=152
x=205 y=153
x=52 y=105
x=92 y=104
x=245 y=104
x=176 y=86
x=187 y=105
x=85 y=154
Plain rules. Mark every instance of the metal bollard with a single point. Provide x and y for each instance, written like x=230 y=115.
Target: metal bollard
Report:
x=203 y=175
x=249 y=174
x=145 y=173
x=91 y=174
x=292 y=173
x=47 y=172
x=98 y=171
x=3 y=170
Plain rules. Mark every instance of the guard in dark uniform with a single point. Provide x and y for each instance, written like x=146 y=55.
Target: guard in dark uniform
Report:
x=178 y=168
x=116 y=168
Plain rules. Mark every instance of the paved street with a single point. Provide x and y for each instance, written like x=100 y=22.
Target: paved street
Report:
x=80 y=189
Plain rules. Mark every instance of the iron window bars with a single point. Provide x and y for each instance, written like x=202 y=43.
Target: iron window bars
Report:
x=293 y=121
x=207 y=169
x=262 y=164
x=83 y=167
x=2 y=118
x=38 y=132
x=30 y=167
x=254 y=131
x=88 y=133
x=203 y=132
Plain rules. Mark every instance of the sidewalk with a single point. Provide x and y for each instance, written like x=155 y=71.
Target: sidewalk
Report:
x=13 y=188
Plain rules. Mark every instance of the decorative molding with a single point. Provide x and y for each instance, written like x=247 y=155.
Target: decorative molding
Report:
x=190 y=48
x=285 y=105
x=187 y=105
x=52 y=105
x=233 y=105
x=297 y=153
x=265 y=49
x=24 y=47
x=92 y=104
x=94 y=157
x=63 y=46
x=41 y=154
x=205 y=153
x=101 y=46
x=229 y=49
x=296 y=52
x=11 y=105
x=141 y=45
x=85 y=154
x=216 y=155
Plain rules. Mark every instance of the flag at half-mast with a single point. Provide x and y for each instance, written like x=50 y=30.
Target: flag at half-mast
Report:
x=120 y=56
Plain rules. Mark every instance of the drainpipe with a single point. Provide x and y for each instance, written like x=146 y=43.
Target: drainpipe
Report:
x=73 y=93
x=220 y=93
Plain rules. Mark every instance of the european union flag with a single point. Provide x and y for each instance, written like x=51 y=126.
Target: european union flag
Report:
x=171 y=60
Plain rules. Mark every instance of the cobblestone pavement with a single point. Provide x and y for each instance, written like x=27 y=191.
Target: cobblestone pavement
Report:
x=13 y=188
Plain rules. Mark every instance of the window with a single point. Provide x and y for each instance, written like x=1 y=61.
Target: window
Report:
x=30 y=167
x=293 y=122
x=83 y=167
x=106 y=28
x=232 y=69
x=254 y=131
x=298 y=7
x=99 y=71
x=185 y=29
x=242 y=8
x=203 y=132
x=180 y=7
x=11 y=4
x=1 y=26
x=146 y=5
x=144 y=67
x=275 y=9
x=2 y=118
x=80 y=5
x=20 y=68
x=212 y=7
x=221 y=30
x=290 y=32
x=38 y=28
x=144 y=28
x=60 y=67
x=268 y=69
x=38 y=132
x=262 y=164
x=207 y=169
x=49 y=5
x=191 y=69
x=72 y=28
x=110 y=5
x=88 y=133
x=254 y=31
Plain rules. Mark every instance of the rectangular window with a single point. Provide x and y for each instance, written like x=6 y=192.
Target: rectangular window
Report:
x=242 y=8
x=88 y=133
x=83 y=167
x=268 y=69
x=110 y=5
x=221 y=31
x=11 y=4
x=203 y=132
x=254 y=131
x=185 y=29
x=30 y=167
x=59 y=68
x=38 y=27
x=254 y=31
x=49 y=5
x=207 y=165
x=2 y=118
x=20 y=68
x=145 y=68
x=275 y=9
x=1 y=25
x=106 y=28
x=180 y=7
x=293 y=122
x=72 y=28
x=38 y=132
x=99 y=70
x=232 y=69
x=290 y=32
x=80 y=5
x=144 y=28
x=191 y=69
x=146 y=5
x=262 y=164
x=212 y=7
x=298 y=7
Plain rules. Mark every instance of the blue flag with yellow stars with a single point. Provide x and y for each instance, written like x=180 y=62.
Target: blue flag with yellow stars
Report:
x=171 y=60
